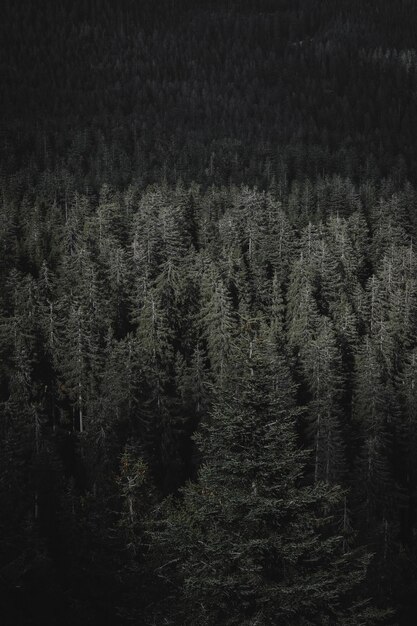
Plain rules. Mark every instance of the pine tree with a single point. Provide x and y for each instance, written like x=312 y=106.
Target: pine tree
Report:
x=249 y=544
x=372 y=410
x=218 y=328
x=321 y=363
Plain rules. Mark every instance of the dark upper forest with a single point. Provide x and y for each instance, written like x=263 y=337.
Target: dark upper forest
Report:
x=208 y=312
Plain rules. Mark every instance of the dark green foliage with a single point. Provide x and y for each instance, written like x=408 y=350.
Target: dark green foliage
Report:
x=208 y=312
x=252 y=543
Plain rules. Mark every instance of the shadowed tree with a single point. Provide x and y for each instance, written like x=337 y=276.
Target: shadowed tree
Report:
x=249 y=544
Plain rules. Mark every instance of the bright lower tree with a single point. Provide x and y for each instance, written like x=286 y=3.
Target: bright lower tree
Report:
x=251 y=542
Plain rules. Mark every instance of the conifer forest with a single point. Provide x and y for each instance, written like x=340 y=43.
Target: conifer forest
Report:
x=208 y=312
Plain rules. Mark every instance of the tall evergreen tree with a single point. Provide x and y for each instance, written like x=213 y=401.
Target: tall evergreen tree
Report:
x=249 y=544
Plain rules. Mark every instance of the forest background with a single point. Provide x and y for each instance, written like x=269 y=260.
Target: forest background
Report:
x=208 y=312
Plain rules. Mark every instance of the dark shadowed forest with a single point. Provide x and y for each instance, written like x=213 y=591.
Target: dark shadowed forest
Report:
x=208 y=313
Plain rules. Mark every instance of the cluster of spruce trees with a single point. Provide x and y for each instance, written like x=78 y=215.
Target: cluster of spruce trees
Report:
x=208 y=313
x=261 y=344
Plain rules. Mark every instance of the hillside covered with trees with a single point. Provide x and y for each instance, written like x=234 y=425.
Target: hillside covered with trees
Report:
x=208 y=313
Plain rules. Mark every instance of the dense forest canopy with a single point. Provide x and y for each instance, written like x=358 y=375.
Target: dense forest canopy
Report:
x=208 y=312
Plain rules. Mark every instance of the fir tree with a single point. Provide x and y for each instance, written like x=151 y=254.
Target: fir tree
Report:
x=250 y=544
